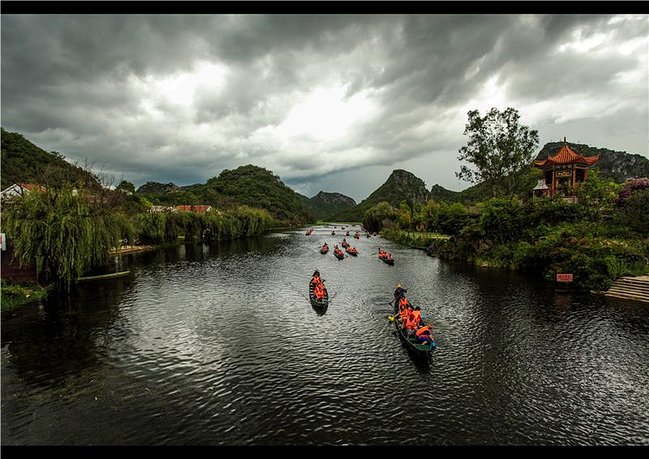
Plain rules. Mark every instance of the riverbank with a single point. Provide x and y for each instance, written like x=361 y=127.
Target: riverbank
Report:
x=413 y=239
x=14 y=295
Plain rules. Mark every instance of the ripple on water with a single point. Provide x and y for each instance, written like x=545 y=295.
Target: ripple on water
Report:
x=220 y=346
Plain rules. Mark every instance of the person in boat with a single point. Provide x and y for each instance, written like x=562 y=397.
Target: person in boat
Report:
x=318 y=291
x=315 y=279
x=399 y=291
x=424 y=334
x=413 y=321
x=404 y=308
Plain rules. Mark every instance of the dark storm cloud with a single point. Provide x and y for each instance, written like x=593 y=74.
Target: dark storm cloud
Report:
x=313 y=98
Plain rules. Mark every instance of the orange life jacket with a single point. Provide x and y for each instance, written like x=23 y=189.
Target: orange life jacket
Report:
x=416 y=317
x=413 y=320
x=315 y=280
x=403 y=302
x=425 y=329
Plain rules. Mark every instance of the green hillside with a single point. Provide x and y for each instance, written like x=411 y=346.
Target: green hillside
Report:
x=255 y=187
x=326 y=204
x=400 y=186
x=24 y=162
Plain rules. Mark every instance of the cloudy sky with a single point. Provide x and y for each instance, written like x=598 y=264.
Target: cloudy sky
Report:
x=333 y=102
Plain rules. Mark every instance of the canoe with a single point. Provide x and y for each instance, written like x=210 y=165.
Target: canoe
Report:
x=308 y=233
x=339 y=254
x=413 y=345
x=352 y=250
x=389 y=261
x=315 y=302
x=104 y=276
x=324 y=250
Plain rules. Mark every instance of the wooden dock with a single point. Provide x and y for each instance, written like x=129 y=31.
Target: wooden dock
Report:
x=630 y=289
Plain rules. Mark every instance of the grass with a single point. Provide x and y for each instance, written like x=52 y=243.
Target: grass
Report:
x=14 y=294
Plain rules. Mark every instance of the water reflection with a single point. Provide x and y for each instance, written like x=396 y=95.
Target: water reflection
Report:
x=219 y=345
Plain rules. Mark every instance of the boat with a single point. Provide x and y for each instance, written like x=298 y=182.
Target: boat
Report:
x=351 y=250
x=309 y=231
x=339 y=253
x=357 y=236
x=333 y=233
x=324 y=249
x=345 y=244
x=413 y=345
x=315 y=302
x=386 y=257
x=104 y=276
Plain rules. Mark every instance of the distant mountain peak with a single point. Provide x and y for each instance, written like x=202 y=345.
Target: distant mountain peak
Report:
x=326 y=203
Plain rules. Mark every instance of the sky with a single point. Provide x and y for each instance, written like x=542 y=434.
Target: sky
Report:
x=326 y=102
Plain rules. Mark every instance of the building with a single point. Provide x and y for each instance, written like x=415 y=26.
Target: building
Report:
x=194 y=208
x=20 y=189
x=563 y=172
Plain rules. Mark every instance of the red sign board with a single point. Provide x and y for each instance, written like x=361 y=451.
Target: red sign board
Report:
x=564 y=277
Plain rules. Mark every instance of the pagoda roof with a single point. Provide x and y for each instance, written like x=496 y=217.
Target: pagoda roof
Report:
x=566 y=155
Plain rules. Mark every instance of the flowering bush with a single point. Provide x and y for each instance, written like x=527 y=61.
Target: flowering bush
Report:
x=630 y=186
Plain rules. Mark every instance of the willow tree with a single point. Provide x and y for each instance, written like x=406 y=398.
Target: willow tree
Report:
x=500 y=151
x=65 y=232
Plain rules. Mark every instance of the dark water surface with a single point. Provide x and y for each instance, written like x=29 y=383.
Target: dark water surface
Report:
x=220 y=346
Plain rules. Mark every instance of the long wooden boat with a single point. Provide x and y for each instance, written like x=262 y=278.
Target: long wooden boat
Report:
x=413 y=345
x=339 y=254
x=351 y=250
x=389 y=261
x=319 y=304
x=104 y=276
x=324 y=249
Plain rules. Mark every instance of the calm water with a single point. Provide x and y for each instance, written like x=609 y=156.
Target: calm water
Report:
x=220 y=346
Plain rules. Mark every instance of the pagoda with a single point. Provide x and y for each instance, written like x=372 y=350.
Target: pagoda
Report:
x=563 y=172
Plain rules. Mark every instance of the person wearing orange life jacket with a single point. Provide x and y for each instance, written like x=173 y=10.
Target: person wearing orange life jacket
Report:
x=398 y=292
x=403 y=304
x=319 y=291
x=404 y=310
x=424 y=334
x=413 y=320
x=315 y=279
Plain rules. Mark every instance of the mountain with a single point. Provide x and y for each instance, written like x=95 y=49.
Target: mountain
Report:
x=158 y=188
x=400 y=186
x=24 y=162
x=326 y=204
x=255 y=187
x=614 y=165
x=439 y=193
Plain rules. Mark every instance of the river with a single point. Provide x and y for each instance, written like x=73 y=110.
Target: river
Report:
x=218 y=345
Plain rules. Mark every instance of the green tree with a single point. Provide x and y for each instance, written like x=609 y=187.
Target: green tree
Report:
x=64 y=231
x=125 y=185
x=377 y=216
x=500 y=150
x=596 y=196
